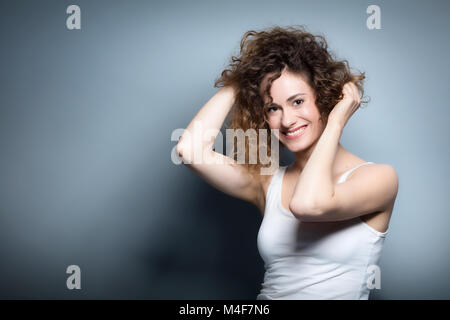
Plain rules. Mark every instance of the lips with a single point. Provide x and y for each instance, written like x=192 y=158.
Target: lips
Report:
x=295 y=133
x=295 y=129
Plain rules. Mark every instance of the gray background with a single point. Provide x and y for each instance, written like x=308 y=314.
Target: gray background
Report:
x=85 y=123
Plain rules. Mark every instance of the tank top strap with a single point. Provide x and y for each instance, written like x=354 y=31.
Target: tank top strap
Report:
x=346 y=173
x=276 y=180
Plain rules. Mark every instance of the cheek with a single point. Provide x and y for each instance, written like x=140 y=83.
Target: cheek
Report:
x=273 y=121
x=310 y=111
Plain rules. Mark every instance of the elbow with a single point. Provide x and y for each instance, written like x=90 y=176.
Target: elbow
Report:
x=180 y=148
x=192 y=154
x=184 y=151
x=306 y=213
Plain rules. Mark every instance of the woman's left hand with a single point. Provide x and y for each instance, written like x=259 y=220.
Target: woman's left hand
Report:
x=345 y=108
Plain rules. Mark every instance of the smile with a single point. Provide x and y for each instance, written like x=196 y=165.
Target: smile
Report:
x=295 y=134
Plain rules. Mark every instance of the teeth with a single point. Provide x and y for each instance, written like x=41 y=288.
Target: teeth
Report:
x=296 y=132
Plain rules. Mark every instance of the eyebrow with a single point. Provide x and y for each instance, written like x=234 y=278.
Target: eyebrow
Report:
x=292 y=97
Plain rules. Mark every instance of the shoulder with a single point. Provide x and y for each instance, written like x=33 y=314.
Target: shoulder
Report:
x=383 y=169
x=388 y=173
x=378 y=175
x=383 y=180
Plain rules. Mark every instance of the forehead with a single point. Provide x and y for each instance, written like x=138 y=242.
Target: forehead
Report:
x=285 y=86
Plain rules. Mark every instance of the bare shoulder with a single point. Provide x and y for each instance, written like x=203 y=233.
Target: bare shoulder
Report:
x=379 y=175
x=382 y=177
x=387 y=171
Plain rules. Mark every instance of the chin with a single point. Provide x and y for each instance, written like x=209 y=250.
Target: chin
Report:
x=296 y=147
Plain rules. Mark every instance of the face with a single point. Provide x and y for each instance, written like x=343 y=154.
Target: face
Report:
x=294 y=112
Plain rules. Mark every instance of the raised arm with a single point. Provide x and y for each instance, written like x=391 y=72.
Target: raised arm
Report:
x=225 y=174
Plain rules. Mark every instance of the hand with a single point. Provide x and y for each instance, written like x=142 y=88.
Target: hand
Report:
x=345 y=108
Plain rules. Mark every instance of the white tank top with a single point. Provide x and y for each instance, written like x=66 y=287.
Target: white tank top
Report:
x=314 y=260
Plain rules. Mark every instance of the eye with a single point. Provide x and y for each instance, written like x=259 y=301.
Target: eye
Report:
x=298 y=100
x=270 y=108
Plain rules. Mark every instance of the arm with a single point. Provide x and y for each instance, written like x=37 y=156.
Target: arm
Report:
x=209 y=118
x=369 y=189
x=220 y=171
x=314 y=189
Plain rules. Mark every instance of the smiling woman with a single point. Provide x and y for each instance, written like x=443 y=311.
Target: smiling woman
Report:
x=268 y=54
x=326 y=215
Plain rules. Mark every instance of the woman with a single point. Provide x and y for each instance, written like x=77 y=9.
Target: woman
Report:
x=326 y=215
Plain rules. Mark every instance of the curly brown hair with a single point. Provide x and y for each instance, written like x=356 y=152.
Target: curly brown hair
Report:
x=272 y=51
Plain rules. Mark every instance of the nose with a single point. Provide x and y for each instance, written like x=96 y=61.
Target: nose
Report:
x=288 y=118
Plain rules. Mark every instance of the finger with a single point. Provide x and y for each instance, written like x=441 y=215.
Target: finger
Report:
x=345 y=90
x=355 y=91
x=349 y=90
